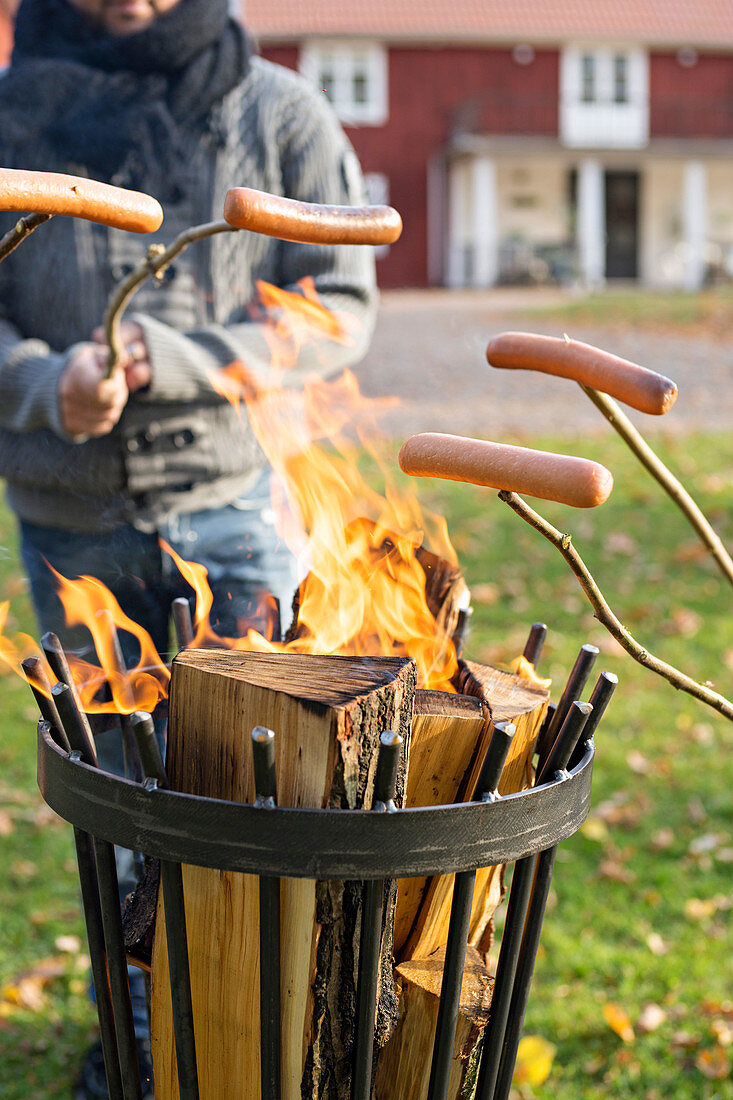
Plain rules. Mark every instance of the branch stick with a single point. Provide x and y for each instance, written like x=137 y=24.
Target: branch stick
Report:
x=674 y=489
x=605 y=615
x=157 y=260
x=22 y=229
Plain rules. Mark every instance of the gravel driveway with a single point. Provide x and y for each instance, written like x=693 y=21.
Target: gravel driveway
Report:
x=429 y=350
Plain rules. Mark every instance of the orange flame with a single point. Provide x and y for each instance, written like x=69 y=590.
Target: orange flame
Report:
x=88 y=602
x=364 y=590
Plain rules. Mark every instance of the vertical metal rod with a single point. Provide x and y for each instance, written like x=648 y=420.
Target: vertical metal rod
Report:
x=562 y=750
x=565 y=742
x=450 y=990
x=385 y=783
x=601 y=696
x=506 y=969
x=56 y=658
x=575 y=683
x=171 y=877
x=535 y=642
x=459 y=927
x=182 y=622
x=263 y=752
x=40 y=685
x=98 y=957
x=77 y=731
x=109 y=897
x=131 y=757
x=109 y=903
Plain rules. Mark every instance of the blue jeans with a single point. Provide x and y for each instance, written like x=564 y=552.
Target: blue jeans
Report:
x=238 y=545
x=245 y=560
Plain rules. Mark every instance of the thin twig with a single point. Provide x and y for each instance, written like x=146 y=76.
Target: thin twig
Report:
x=605 y=615
x=674 y=489
x=22 y=229
x=156 y=261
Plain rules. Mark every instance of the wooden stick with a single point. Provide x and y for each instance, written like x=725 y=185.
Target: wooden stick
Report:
x=674 y=489
x=606 y=616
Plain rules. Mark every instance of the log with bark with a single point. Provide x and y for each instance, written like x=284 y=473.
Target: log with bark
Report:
x=445 y=767
x=404 y=1065
x=328 y=714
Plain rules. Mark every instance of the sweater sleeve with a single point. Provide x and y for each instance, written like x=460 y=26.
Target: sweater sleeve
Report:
x=29 y=381
x=335 y=286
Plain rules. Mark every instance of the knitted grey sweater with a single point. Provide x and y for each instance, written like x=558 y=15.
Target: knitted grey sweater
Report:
x=179 y=446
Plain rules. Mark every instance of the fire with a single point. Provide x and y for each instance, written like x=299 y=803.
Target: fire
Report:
x=364 y=587
x=87 y=602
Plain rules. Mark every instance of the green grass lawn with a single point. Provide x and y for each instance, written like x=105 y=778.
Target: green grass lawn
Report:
x=707 y=313
x=640 y=909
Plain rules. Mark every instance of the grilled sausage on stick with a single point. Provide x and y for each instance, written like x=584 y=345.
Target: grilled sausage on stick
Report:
x=52 y=193
x=643 y=389
x=310 y=222
x=575 y=481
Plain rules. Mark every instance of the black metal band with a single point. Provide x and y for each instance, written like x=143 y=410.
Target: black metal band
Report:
x=321 y=844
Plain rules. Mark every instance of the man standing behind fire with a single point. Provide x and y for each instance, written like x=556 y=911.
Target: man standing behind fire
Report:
x=162 y=96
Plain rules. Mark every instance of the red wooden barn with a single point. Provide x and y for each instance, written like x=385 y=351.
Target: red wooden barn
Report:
x=538 y=139
x=531 y=140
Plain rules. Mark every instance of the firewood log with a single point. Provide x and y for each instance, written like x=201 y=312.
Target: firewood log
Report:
x=327 y=713
x=404 y=1064
x=503 y=697
x=446 y=729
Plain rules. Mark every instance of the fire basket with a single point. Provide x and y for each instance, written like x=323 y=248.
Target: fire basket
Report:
x=367 y=849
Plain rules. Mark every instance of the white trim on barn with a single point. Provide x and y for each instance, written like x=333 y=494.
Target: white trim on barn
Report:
x=353 y=76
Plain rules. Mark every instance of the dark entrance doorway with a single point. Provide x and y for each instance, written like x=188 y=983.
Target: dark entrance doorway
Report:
x=622 y=225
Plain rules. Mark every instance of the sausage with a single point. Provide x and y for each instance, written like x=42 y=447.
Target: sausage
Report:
x=575 y=481
x=643 y=389
x=310 y=222
x=53 y=193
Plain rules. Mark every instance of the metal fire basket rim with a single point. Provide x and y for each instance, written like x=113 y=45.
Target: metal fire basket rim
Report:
x=307 y=843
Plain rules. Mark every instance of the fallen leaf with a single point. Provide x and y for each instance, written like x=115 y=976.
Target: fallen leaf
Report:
x=696 y=811
x=703 y=733
x=683 y=622
x=485 y=593
x=656 y=944
x=685 y=1040
x=534 y=1060
x=615 y=870
x=7 y=826
x=638 y=762
x=594 y=829
x=652 y=1017
x=700 y=909
x=23 y=868
x=662 y=839
x=714 y=1063
x=723 y=1032
x=618 y=1021
x=718 y=1008
x=70 y=944
x=619 y=542
x=26 y=993
x=708 y=842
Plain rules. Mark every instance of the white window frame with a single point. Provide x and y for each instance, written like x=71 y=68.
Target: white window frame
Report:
x=345 y=58
x=595 y=118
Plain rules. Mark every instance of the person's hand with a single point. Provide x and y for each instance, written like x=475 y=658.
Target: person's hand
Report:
x=91 y=404
x=134 y=360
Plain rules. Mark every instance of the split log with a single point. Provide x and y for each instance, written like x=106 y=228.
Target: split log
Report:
x=404 y=1065
x=446 y=729
x=506 y=697
x=327 y=713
